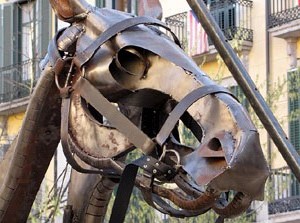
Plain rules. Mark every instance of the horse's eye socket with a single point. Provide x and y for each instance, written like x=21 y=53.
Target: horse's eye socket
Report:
x=131 y=61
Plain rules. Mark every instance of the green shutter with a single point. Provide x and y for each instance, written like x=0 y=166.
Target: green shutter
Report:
x=294 y=118
x=294 y=108
x=1 y=36
x=44 y=32
x=239 y=94
x=8 y=35
x=100 y=3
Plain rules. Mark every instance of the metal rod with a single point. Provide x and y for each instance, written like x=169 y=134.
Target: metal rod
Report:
x=242 y=77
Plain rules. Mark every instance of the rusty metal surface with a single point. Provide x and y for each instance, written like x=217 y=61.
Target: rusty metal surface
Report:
x=32 y=152
x=142 y=75
x=242 y=77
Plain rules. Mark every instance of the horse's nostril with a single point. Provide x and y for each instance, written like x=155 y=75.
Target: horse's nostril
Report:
x=214 y=144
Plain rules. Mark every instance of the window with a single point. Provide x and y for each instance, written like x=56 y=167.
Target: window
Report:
x=239 y=94
x=294 y=107
x=106 y=4
x=27 y=30
x=224 y=14
x=131 y=6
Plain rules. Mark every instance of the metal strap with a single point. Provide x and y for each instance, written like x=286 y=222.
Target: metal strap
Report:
x=124 y=193
x=114 y=116
x=127 y=181
x=84 y=56
x=182 y=106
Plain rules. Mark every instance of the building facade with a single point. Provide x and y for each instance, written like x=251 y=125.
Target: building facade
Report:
x=266 y=36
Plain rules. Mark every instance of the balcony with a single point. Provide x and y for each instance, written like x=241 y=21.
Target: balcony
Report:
x=284 y=18
x=17 y=82
x=232 y=16
x=284 y=193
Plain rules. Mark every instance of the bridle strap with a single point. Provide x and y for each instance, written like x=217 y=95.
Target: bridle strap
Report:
x=83 y=57
x=183 y=105
x=114 y=116
x=125 y=126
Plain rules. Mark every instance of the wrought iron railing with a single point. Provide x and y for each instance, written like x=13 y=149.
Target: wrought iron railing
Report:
x=283 y=11
x=178 y=24
x=17 y=80
x=232 y=16
x=284 y=191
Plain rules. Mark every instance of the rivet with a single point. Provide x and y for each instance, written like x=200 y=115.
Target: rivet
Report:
x=156 y=164
x=145 y=166
x=154 y=171
x=148 y=159
x=169 y=171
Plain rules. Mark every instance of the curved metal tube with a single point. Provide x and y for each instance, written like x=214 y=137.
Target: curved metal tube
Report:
x=237 y=206
x=206 y=200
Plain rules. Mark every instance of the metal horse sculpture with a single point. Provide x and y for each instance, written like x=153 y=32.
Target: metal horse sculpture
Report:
x=112 y=83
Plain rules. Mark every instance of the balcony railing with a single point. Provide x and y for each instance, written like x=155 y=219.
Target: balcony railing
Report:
x=232 y=16
x=285 y=191
x=178 y=24
x=283 y=11
x=17 y=80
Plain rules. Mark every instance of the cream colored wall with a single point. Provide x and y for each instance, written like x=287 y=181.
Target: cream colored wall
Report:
x=257 y=57
x=216 y=70
x=171 y=7
x=14 y=123
x=298 y=48
x=279 y=68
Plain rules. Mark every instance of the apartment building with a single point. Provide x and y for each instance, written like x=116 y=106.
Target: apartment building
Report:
x=266 y=36
x=26 y=27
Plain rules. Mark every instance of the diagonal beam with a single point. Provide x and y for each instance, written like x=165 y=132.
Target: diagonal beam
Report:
x=242 y=77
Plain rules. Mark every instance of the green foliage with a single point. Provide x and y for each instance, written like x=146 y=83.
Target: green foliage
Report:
x=45 y=209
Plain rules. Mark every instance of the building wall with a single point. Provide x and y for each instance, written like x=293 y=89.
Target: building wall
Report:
x=279 y=65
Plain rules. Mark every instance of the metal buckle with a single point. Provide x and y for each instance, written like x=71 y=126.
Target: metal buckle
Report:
x=165 y=151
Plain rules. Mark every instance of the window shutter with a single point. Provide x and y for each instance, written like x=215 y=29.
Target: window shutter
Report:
x=8 y=53
x=8 y=35
x=1 y=36
x=100 y=3
x=239 y=94
x=294 y=119
x=44 y=32
x=294 y=108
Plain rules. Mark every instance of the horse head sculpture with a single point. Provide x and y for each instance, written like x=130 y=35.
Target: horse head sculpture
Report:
x=124 y=85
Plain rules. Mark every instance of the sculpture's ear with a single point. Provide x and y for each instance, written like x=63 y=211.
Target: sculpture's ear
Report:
x=70 y=10
x=150 y=8
x=63 y=9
